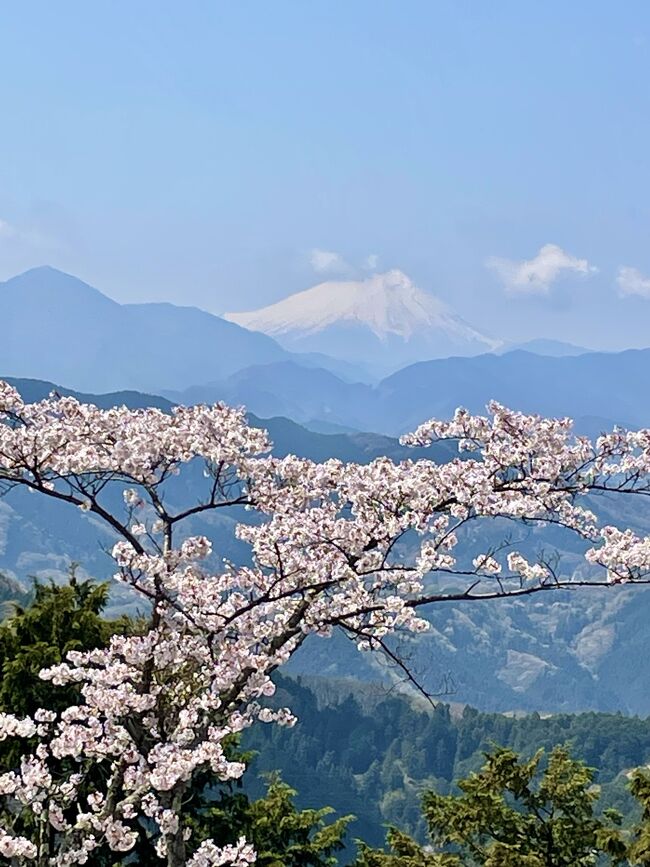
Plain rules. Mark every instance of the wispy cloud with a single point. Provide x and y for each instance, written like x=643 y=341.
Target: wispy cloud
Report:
x=536 y=276
x=328 y=262
x=6 y=230
x=631 y=281
x=27 y=236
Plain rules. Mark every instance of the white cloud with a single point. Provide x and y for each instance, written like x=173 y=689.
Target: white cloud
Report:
x=325 y=261
x=535 y=276
x=371 y=262
x=631 y=281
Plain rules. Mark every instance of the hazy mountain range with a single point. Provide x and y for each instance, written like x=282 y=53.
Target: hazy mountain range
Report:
x=597 y=389
x=61 y=329
x=58 y=327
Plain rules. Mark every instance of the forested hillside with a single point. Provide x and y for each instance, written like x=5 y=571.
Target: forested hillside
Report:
x=373 y=753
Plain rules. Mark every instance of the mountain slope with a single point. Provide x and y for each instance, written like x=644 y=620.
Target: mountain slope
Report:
x=373 y=753
x=385 y=319
x=607 y=385
x=599 y=390
x=58 y=327
x=286 y=388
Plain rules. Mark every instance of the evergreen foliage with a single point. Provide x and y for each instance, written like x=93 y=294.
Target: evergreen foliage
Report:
x=639 y=846
x=513 y=814
x=282 y=835
x=375 y=754
x=57 y=619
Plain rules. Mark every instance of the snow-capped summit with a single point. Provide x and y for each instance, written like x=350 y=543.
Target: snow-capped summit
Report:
x=384 y=320
x=387 y=303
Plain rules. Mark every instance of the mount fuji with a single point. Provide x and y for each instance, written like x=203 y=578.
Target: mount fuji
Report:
x=384 y=321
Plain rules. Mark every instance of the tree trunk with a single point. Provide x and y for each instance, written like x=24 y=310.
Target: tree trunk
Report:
x=176 y=842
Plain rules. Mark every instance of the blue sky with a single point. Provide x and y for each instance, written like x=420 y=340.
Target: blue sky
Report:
x=198 y=152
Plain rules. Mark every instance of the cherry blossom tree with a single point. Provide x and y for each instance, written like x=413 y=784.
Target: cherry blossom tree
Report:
x=332 y=545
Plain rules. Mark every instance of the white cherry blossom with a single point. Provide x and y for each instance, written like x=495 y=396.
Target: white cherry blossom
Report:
x=332 y=545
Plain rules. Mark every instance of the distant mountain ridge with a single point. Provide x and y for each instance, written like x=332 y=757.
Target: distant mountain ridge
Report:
x=58 y=327
x=385 y=320
x=598 y=389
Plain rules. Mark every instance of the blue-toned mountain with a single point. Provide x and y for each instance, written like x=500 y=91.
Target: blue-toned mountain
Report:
x=597 y=389
x=58 y=327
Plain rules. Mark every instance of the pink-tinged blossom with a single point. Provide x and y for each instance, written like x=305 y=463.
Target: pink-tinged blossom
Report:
x=14 y=848
x=209 y=855
x=13 y=727
x=326 y=552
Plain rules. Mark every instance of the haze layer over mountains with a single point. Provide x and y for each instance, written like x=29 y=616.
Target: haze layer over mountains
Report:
x=59 y=329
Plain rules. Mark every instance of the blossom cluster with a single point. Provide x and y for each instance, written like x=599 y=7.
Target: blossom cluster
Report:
x=327 y=551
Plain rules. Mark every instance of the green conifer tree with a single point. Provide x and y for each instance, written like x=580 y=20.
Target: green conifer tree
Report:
x=513 y=814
